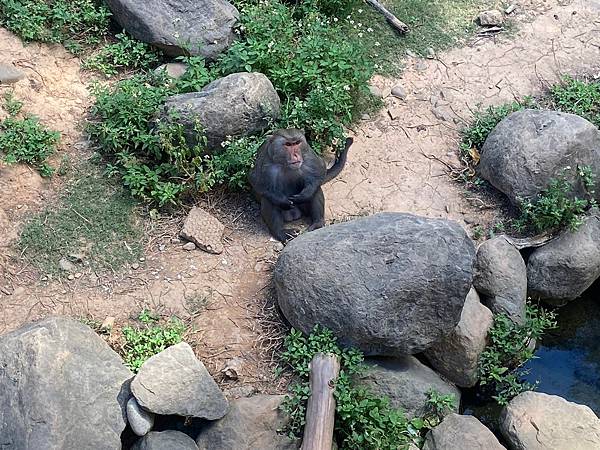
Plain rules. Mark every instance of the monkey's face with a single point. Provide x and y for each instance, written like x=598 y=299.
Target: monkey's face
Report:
x=287 y=151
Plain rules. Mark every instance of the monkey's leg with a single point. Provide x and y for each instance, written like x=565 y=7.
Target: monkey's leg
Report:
x=292 y=214
x=273 y=217
x=316 y=210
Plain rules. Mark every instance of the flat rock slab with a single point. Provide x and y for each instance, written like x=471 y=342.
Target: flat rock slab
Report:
x=461 y=433
x=165 y=440
x=406 y=382
x=537 y=421
x=204 y=230
x=175 y=382
x=251 y=424
x=61 y=387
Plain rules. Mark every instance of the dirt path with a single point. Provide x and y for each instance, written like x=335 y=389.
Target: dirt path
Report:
x=393 y=166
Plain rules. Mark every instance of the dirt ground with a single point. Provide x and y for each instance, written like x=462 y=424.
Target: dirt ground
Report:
x=394 y=165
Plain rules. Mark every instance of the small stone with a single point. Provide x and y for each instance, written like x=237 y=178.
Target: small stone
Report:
x=142 y=259
x=430 y=53
x=108 y=323
x=399 y=92
x=365 y=117
x=442 y=114
x=71 y=277
x=165 y=440
x=175 y=241
x=385 y=92
x=66 y=265
x=233 y=368
x=189 y=246
x=492 y=18
x=78 y=275
x=135 y=266
x=512 y=8
x=140 y=420
x=278 y=246
x=421 y=66
x=204 y=230
x=375 y=91
x=9 y=74
x=161 y=247
x=410 y=53
x=174 y=70
x=44 y=278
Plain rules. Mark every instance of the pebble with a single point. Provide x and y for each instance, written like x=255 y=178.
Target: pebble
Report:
x=108 y=323
x=135 y=266
x=174 y=70
x=278 y=246
x=492 y=18
x=175 y=241
x=442 y=114
x=10 y=74
x=411 y=53
x=142 y=259
x=365 y=117
x=375 y=91
x=430 y=53
x=71 y=277
x=66 y=265
x=78 y=275
x=140 y=420
x=399 y=92
x=385 y=92
x=189 y=246
x=421 y=66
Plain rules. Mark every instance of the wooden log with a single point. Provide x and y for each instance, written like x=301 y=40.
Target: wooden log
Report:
x=400 y=26
x=320 y=411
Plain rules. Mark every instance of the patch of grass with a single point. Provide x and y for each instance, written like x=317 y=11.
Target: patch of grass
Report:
x=557 y=206
x=73 y=23
x=363 y=421
x=25 y=139
x=143 y=342
x=434 y=24
x=580 y=97
x=125 y=53
x=92 y=217
x=501 y=364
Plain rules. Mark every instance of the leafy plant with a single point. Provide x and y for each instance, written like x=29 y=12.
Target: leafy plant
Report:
x=557 y=206
x=363 y=420
x=501 y=364
x=579 y=97
x=125 y=53
x=74 y=23
x=143 y=342
x=26 y=140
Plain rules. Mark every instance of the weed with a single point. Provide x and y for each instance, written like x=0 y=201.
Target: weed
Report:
x=557 y=206
x=578 y=97
x=142 y=343
x=363 y=420
x=92 y=216
x=478 y=232
x=125 y=53
x=25 y=139
x=74 y=23
x=147 y=317
x=501 y=363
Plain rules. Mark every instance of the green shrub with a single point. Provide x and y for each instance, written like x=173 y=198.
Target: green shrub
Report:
x=125 y=53
x=143 y=342
x=578 y=97
x=557 y=206
x=26 y=140
x=501 y=364
x=363 y=421
x=72 y=23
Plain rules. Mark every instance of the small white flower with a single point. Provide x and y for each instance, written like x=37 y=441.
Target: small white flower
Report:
x=359 y=24
x=370 y=30
x=352 y=22
x=360 y=35
x=346 y=87
x=377 y=44
x=335 y=19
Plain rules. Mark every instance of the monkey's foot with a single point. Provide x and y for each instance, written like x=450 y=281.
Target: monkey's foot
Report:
x=316 y=225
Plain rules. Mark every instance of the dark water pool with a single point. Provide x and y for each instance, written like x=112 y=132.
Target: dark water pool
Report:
x=567 y=363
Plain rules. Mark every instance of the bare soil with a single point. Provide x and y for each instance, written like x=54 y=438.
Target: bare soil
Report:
x=395 y=165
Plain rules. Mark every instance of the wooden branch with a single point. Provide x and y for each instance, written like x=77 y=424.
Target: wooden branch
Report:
x=400 y=26
x=535 y=241
x=320 y=411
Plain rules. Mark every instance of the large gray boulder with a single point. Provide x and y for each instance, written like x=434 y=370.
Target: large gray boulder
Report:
x=461 y=432
x=456 y=356
x=389 y=284
x=251 y=423
x=165 y=440
x=174 y=381
x=536 y=421
x=177 y=27
x=236 y=105
x=406 y=382
x=501 y=278
x=531 y=147
x=564 y=268
x=61 y=387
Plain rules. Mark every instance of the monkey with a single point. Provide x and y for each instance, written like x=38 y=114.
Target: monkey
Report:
x=287 y=179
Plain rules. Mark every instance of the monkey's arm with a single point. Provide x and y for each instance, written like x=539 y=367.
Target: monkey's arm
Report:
x=266 y=188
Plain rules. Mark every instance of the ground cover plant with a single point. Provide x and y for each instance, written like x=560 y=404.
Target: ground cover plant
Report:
x=151 y=337
x=363 y=420
x=93 y=218
x=24 y=139
x=501 y=364
x=75 y=24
